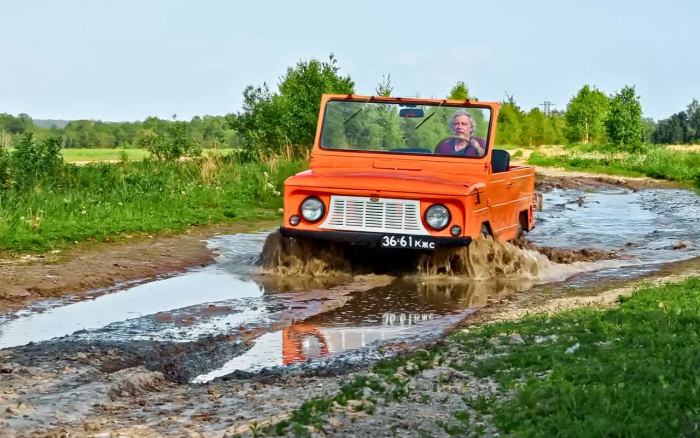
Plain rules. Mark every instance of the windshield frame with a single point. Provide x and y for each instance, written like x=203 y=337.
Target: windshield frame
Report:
x=445 y=103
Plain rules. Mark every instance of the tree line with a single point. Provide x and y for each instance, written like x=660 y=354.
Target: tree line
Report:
x=207 y=131
x=282 y=121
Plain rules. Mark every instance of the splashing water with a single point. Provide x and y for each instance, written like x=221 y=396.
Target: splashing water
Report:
x=482 y=260
x=302 y=257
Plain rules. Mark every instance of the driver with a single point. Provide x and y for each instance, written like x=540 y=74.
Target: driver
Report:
x=462 y=125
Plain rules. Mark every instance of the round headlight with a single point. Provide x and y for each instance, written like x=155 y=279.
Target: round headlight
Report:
x=312 y=209
x=438 y=217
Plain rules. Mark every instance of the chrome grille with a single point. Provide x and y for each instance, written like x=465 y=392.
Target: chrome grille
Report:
x=352 y=213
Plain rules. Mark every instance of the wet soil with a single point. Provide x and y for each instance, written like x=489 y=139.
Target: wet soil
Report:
x=182 y=356
x=99 y=390
x=29 y=278
x=548 y=179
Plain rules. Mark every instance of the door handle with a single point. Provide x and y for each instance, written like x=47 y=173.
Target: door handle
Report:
x=510 y=185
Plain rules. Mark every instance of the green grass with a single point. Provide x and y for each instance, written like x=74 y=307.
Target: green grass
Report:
x=654 y=162
x=627 y=372
x=73 y=155
x=634 y=372
x=101 y=202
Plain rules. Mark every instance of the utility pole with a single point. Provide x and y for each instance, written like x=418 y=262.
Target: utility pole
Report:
x=547 y=104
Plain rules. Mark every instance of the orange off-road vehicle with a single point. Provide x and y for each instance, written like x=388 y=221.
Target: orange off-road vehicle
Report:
x=408 y=173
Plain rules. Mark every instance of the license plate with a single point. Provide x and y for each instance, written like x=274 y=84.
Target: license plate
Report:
x=408 y=242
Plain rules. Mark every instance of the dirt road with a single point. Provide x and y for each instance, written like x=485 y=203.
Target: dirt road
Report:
x=185 y=336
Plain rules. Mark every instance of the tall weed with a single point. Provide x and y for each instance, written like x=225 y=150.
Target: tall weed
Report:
x=35 y=162
x=103 y=201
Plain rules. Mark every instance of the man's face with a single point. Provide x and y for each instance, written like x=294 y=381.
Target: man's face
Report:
x=462 y=126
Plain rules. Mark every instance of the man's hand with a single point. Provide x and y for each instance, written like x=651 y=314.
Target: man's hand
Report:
x=477 y=147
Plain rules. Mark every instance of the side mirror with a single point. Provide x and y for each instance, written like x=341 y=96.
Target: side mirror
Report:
x=411 y=113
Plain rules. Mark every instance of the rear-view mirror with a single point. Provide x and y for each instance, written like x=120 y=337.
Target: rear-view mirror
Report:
x=411 y=113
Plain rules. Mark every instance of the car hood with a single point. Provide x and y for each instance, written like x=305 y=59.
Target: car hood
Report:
x=381 y=181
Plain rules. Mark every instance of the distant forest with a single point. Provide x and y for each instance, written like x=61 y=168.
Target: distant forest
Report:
x=284 y=121
x=208 y=131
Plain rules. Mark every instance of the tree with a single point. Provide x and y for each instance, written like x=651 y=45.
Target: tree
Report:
x=671 y=130
x=623 y=123
x=649 y=129
x=285 y=122
x=510 y=118
x=300 y=96
x=174 y=143
x=585 y=115
x=693 y=117
x=540 y=129
x=558 y=127
x=460 y=92
x=384 y=88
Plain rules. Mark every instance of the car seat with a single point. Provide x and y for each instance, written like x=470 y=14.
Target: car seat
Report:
x=500 y=160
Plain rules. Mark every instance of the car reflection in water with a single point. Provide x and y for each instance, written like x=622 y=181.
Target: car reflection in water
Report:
x=388 y=313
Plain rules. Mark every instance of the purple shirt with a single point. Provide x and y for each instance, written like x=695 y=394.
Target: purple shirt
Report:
x=447 y=147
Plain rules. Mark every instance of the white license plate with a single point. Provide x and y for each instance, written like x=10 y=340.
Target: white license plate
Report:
x=408 y=242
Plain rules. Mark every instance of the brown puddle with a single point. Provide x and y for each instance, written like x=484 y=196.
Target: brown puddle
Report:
x=411 y=311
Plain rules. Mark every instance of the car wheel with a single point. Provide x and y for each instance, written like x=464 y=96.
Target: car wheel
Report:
x=485 y=230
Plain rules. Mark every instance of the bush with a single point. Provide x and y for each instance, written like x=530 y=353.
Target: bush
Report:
x=175 y=143
x=35 y=162
x=4 y=168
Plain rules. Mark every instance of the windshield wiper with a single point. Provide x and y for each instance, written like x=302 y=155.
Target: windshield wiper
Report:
x=428 y=118
x=355 y=113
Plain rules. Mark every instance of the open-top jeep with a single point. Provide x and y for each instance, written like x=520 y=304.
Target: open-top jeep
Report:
x=408 y=173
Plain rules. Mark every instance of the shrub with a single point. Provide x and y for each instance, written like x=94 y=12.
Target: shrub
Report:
x=4 y=168
x=36 y=161
x=175 y=143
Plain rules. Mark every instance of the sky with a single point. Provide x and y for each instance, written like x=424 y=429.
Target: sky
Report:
x=129 y=59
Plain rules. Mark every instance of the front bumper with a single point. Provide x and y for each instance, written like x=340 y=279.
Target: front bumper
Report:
x=361 y=238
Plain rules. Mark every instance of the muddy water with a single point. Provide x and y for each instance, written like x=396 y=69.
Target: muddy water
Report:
x=333 y=311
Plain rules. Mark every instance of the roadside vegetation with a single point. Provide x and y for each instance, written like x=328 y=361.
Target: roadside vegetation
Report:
x=654 y=161
x=583 y=373
x=46 y=204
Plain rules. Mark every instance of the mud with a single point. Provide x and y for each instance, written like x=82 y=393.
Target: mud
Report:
x=222 y=350
x=39 y=397
x=105 y=267
x=567 y=256
x=178 y=362
x=548 y=179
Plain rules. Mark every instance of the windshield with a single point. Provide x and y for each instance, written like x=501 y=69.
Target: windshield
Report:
x=404 y=128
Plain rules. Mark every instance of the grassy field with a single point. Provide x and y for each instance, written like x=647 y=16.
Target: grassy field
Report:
x=653 y=162
x=73 y=155
x=102 y=202
x=625 y=372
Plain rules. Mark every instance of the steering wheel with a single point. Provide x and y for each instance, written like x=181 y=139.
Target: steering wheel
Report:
x=471 y=142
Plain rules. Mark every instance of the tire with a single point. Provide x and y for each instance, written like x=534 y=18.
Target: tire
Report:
x=522 y=224
x=485 y=231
